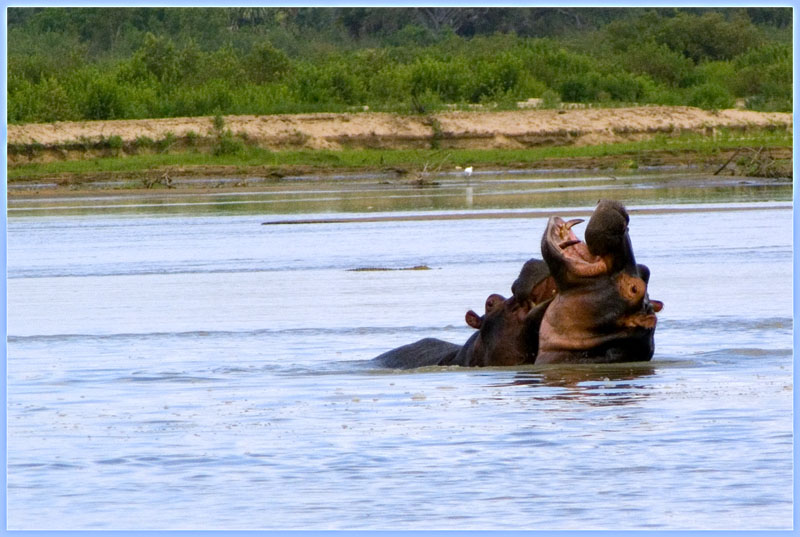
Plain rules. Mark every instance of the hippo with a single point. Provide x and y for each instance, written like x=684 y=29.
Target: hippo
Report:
x=497 y=341
x=601 y=311
x=585 y=302
x=506 y=335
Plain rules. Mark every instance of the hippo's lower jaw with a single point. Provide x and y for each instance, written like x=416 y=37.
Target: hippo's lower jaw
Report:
x=630 y=345
x=638 y=349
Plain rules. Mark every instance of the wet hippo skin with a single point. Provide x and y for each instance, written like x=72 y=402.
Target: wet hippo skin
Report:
x=585 y=302
x=499 y=340
x=505 y=334
x=601 y=311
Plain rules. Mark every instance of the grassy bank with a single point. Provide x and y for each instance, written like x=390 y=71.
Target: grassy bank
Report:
x=245 y=160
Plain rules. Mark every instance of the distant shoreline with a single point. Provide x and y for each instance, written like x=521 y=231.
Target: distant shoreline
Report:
x=415 y=147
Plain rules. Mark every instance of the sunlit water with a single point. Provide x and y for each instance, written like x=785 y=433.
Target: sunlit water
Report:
x=201 y=371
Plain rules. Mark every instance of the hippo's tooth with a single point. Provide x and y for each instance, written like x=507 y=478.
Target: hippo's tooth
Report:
x=573 y=222
x=568 y=243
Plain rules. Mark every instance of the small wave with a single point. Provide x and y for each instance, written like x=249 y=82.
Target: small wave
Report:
x=45 y=466
x=728 y=323
x=745 y=352
x=181 y=460
x=167 y=377
x=259 y=332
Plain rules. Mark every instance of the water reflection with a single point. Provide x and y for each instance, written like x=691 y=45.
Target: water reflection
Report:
x=593 y=384
x=356 y=194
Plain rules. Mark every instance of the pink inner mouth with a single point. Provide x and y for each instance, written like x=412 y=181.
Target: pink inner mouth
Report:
x=574 y=252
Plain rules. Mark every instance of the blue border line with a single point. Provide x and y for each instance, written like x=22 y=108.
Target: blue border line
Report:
x=4 y=260
x=795 y=228
x=393 y=3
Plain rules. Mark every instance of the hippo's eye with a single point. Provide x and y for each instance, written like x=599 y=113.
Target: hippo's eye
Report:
x=634 y=290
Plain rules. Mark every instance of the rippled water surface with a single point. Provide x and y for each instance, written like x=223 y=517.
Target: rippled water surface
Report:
x=192 y=369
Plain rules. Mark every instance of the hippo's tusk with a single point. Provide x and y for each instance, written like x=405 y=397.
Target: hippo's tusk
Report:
x=567 y=244
x=573 y=222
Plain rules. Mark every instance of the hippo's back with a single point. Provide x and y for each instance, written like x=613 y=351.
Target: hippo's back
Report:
x=425 y=352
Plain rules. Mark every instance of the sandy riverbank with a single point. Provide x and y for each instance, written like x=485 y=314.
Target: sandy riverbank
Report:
x=457 y=129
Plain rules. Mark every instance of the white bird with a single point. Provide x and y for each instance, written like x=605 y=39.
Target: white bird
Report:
x=468 y=171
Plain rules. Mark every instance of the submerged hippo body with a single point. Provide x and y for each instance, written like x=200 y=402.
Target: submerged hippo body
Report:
x=425 y=352
x=601 y=311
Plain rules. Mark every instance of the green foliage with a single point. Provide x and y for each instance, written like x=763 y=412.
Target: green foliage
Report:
x=143 y=142
x=228 y=144
x=109 y=63
x=225 y=143
x=659 y=62
x=710 y=36
x=45 y=101
x=103 y=99
x=166 y=143
x=191 y=138
x=761 y=76
x=218 y=124
x=267 y=64
x=550 y=99
x=158 y=57
x=711 y=96
x=114 y=142
x=596 y=87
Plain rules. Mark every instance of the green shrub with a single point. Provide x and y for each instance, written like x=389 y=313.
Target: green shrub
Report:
x=266 y=64
x=143 y=142
x=227 y=144
x=46 y=101
x=550 y=99
x=104 y=99
x=157 y=56
x=578 y=90
x=166 y=143
x=711 y=96
x=764 y=75
x=660 y=62
x=114 y=142
x=191 y=138
x=445 y=79
x=709 y=36
x=500 y=76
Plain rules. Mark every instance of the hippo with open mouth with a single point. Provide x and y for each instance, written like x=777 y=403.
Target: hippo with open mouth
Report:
x=586 y=302
x=601 y=311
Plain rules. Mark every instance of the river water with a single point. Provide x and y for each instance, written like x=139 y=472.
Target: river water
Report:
x=174 y=364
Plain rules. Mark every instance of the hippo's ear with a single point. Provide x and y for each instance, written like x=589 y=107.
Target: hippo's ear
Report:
x=493 y=301
x=473 y=319
x=644 y=272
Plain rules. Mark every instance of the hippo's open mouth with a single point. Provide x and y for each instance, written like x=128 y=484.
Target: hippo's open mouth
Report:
x=561 y=242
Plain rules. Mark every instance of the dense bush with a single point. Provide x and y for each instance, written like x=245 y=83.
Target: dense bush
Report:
x=67 y=64
x=710 y=96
